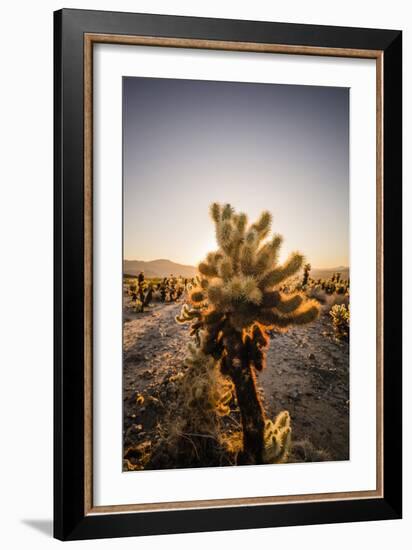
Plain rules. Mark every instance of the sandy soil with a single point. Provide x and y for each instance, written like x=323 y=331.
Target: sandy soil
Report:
x=307 y=373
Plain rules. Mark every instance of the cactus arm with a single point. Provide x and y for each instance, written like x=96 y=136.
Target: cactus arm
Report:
x=289 y=304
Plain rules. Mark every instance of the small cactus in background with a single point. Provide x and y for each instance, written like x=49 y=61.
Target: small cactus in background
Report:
x=147 y=297
x=141 y=287
x=163 y=289
x=340 y=288
x=235 y=302
x=340 y=321
x=306 y=273
x=133 y=291
x=141 y=293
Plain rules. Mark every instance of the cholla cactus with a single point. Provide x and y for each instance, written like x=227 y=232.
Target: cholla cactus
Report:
x=163 y=289
x=341 y=321
x=277 y=439
x=306 y=273
x=236 y=301
x=141 y=287
x=147 y=297
x=141 y=293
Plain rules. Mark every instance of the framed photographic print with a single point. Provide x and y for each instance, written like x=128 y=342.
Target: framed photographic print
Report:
x=228 y=274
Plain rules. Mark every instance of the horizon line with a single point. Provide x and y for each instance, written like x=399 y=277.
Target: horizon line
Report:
x=195 y=265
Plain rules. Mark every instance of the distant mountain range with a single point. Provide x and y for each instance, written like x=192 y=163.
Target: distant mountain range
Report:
x=158 y=268
x=165 y=268
x=326 y=273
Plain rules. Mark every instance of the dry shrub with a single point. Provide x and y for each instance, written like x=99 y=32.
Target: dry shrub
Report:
x=192 y=432
x=326 y=300
x=304 y=451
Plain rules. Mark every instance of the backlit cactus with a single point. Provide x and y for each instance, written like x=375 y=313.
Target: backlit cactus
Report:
x=141 y=293
x=306 y=273
x=235 y=302
x=277 y=439
x=340 y=321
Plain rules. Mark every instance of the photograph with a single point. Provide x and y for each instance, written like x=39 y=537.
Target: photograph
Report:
x=236 y=273
x=227 y=281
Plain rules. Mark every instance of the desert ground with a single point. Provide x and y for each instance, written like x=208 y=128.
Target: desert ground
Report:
x=307 y=373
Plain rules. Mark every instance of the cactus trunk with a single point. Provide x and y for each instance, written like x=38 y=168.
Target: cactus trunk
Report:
x=253 y=422
x=238 y=367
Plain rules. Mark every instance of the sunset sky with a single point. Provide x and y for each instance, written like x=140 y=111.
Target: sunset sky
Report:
x=258 y=146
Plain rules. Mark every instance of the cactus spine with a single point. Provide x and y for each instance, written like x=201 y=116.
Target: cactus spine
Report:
x=235 y=302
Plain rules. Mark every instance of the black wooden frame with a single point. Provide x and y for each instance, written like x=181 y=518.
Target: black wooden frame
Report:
x=70 y=521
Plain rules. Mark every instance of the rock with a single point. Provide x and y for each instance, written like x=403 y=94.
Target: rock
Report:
x=294 y=394
x=312 y=356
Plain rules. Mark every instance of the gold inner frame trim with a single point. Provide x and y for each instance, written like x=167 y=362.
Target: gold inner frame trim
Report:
x=89 y=40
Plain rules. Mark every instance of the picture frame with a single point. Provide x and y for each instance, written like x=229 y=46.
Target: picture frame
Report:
x=76 y=32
